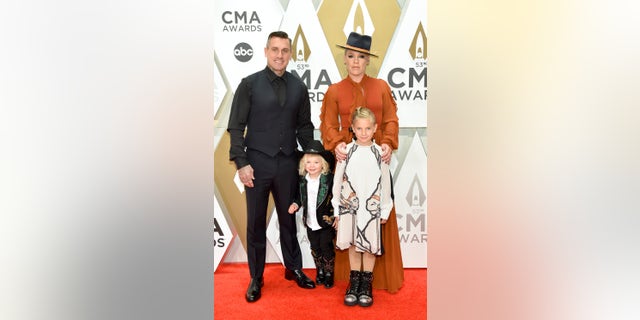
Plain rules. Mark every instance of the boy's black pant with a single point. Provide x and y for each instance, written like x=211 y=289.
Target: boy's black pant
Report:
x=321 y=242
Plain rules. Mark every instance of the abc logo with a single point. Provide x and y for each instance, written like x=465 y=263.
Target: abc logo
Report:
x=243 y=52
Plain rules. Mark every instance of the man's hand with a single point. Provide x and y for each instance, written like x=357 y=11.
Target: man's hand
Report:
x=246 y=175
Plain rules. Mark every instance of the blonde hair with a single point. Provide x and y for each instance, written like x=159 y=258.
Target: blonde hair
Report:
x=302 y=171
x=363 y=113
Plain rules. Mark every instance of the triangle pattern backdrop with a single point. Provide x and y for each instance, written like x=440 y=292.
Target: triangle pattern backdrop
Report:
x=399 y=32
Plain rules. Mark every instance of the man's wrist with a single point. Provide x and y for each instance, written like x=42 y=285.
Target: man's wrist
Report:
x=241 y=162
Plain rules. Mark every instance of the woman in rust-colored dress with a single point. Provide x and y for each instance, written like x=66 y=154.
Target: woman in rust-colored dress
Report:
x=340 y=100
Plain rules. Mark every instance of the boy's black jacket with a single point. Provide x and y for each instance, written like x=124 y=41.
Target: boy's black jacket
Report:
x=324 y=209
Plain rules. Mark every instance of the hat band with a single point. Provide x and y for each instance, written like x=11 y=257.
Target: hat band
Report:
x=356 y=48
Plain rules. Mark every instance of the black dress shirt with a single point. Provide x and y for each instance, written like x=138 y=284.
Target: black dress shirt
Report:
x=279 y=84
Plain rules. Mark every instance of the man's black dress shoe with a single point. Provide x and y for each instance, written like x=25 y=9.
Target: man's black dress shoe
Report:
x=301 y=279
x=253 y=292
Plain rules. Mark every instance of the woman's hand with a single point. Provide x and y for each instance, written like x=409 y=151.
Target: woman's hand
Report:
x=386 y=153
x=341 y=151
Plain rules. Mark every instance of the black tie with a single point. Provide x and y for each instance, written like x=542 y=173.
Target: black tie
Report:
x=281 y=90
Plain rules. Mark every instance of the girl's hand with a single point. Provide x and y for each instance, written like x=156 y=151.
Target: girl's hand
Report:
x=335 y=222
x=293 y=208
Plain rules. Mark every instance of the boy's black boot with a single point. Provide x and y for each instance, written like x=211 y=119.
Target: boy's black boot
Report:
x=328 y=271
x=320 y=275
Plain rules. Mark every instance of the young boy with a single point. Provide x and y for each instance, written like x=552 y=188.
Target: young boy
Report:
x=314 y=194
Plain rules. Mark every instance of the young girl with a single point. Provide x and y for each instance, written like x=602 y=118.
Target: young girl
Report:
x=362 y=202
x=314 y=194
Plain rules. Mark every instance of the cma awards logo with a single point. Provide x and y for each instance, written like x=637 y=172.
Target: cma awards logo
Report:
x=301 y=50
x=301 y=53
x=412 y=82
x=219 y=239
x=418 y=48
x=413 y=226
x=416 y=196
x=358 y=20
x=339 y=18
x=241 y=21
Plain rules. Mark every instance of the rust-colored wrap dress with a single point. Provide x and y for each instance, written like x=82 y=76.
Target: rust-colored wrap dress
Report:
x=339 y=102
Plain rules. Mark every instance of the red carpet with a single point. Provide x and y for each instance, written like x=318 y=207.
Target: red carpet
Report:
x=282 y=299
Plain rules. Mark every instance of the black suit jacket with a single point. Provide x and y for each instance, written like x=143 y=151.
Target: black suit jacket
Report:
x=324 y=209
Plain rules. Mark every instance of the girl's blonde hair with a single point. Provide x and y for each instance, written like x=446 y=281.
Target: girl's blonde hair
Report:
x=325 y=164
x=363 y=113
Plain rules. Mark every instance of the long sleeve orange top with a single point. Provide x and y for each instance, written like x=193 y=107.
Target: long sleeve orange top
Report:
x=345 y=96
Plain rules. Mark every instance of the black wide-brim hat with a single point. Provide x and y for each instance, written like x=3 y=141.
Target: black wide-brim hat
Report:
x=316 y=147
x=358 y=42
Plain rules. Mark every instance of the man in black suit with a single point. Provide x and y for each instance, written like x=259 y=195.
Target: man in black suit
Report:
x=273 y=106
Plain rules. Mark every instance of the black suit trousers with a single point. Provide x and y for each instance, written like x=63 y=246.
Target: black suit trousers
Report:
x=276 y=175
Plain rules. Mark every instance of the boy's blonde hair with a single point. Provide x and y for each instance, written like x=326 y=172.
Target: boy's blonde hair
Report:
x=363 y=113
x=325 y=164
